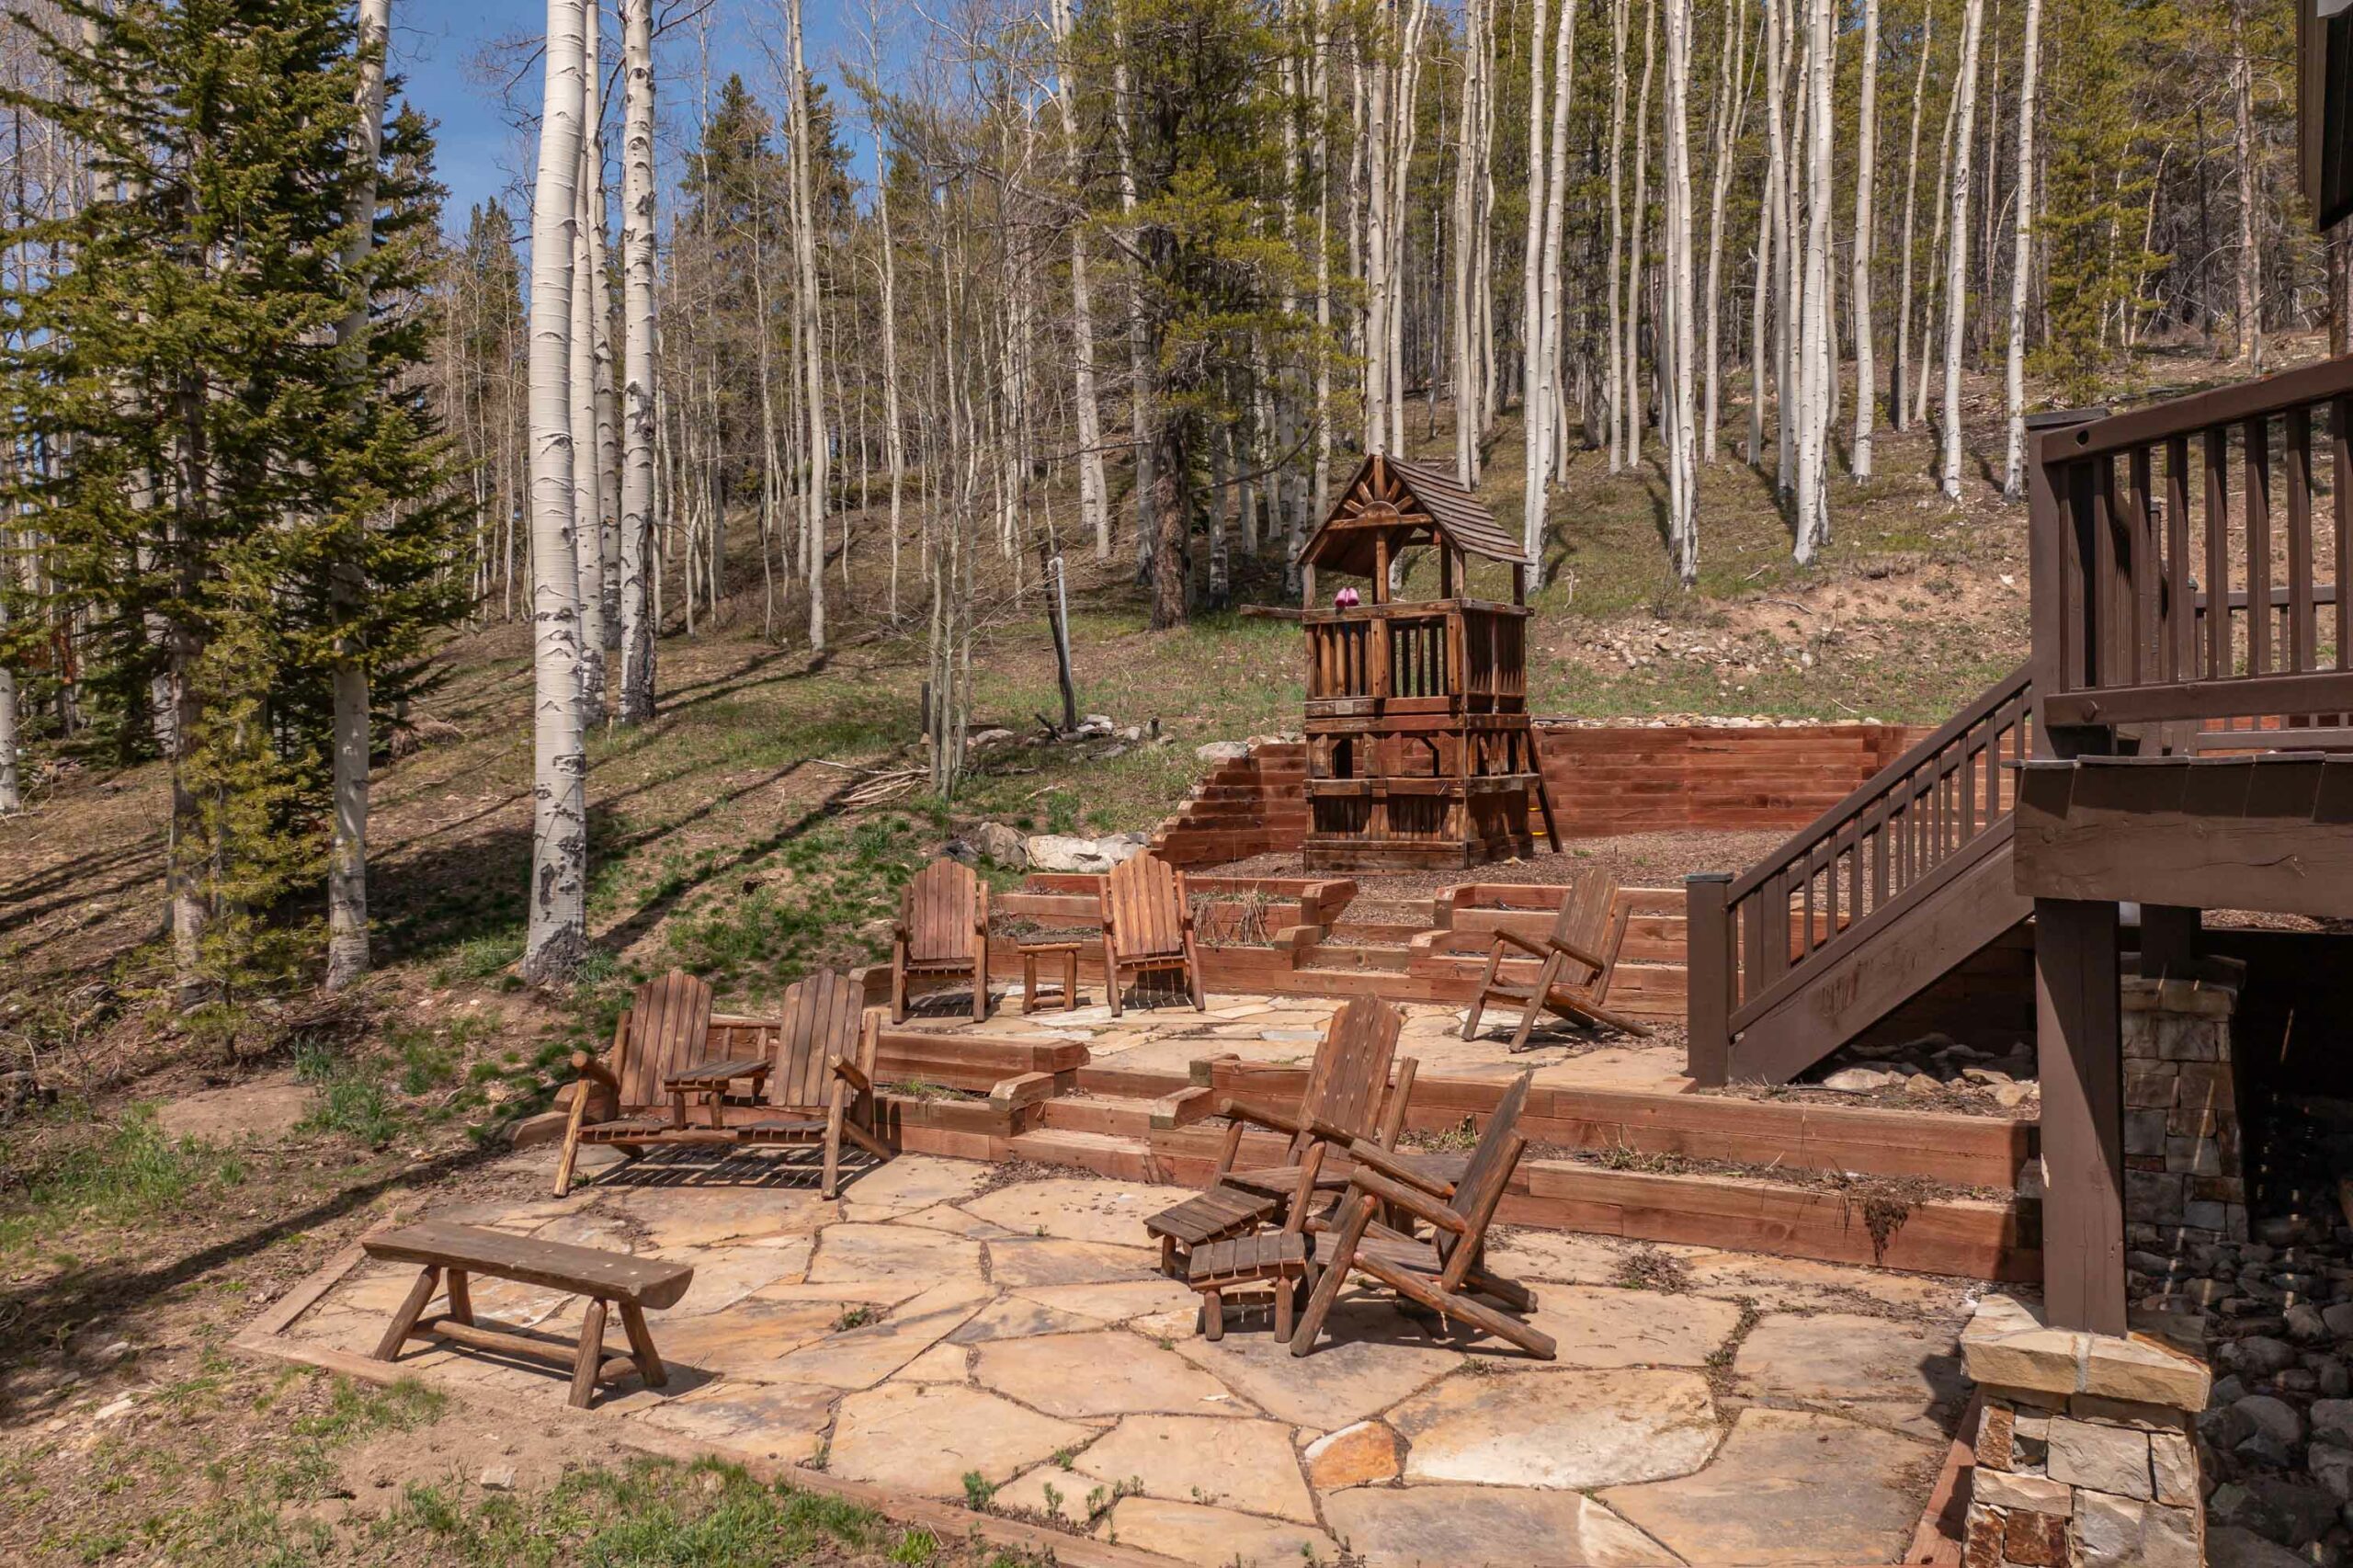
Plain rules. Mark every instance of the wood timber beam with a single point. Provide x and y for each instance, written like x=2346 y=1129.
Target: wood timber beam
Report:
x=2080 y=1058
x=2272 y=832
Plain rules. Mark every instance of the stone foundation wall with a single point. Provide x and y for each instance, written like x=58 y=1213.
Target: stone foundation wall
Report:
x=2084 y=1453
x=2185 y=1192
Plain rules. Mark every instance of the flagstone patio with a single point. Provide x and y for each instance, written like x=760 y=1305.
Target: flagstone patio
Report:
x=1284 y=1031
x=944 y=1334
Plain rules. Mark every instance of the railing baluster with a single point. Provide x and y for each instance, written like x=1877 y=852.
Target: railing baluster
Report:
x=2140 y=543
x=2257 y=461
x=2218 y=643
x=2299 y=539
x=2181 y=660
x=2340 y=451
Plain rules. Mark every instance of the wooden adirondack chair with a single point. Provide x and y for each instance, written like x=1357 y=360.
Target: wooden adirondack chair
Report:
x=1348 y=1093
x=1447 y=1273
x=1586 y=934
x=664 y=1032
x=1148 y=927
x=943 y=933
x=823 y=1079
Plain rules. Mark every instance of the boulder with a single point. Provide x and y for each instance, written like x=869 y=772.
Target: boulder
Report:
x=983 y=740
x=2333 y=1422
x=1060 y=852
x=2288 y=1511
x=1002 y=845
x=2273 y=1418
x=2263 y=1356
x=1859 y=1080
x=1222 y=750
x=2305 y=1324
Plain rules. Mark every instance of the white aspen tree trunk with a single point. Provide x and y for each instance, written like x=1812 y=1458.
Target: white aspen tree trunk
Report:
x=348 y=956
x=1372 y=136
x=558 y=933
x=1614 y=373
x=1404 y=131
x=600 y=347
x=2246 y=328
x=1094 y=495
x=1731 y=113
x=1535 y=419
x=1679 y=339
x=1942 y=200
x=1773 y=243
x=893 y=428
x=1815 y=329
x=1140 y=368
x=1866 y=242
x=1901 y=392
x=637 y=549
x=1320 y=77
x=1467 y=162
x=1769 y=207
x=2022 y=229
x=1637 y=258
x=1957 y=260
x=586 y=506
x=1556 y=201
x=1790 y=285
x=810 y=314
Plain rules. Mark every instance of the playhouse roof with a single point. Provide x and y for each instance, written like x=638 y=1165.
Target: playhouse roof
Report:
x=1402 y=499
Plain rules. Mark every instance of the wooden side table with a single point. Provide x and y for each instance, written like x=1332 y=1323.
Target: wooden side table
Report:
x=1030 y=953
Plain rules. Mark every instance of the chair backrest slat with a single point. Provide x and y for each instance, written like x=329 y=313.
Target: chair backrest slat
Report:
x=1586 y=916
x=1489 y=1169
x=1143 y=900
x=1351 y=1068
x=820 y=1026
x=940 y=910
x=669 y=1032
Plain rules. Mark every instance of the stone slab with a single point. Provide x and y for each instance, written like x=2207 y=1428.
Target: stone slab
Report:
x=1109 y=1373
x=1790 y=1487
x=862 y=1357
x=1485 y=1527
x=1351 y=1375
x=1569 y=1429
x=923 y=1438
x=851 y=1252
x=1248 y=1465
x=1078 y=1209
x=1214 y=1537
x=1032 y=1261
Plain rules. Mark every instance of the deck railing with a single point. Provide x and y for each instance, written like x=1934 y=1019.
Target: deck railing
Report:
x=1447 y=655
x=2187 y=558
x=1755 y=938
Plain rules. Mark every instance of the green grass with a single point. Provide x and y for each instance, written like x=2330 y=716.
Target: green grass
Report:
x=118 y=1178
x=655 y=1512
x=352 y=1099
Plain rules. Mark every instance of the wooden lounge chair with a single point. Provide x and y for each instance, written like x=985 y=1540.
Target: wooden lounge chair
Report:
x=943 y=933
x=1348 y=1093
x=664 y=1033
x=1447 y=1273
x=1586 y=935
x=1148 y=927
x=823 y=1078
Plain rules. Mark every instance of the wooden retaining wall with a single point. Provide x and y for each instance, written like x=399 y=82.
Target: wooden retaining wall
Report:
x=1603 y=779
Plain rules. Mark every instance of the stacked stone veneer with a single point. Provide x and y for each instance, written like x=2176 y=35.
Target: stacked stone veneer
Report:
x=2084 y=1457
x=2184 y=1189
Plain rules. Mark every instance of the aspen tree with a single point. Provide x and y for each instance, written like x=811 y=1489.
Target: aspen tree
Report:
x=809 y=308
x=348 y=957
x=1094 y=495
x=1731 y=113
x=1899 y=400
x=639 y=559
x=587 y=300
x=1816 y=360
x=1678 y=407
x=558 y=932
x=2246 y=321
x=1615 y=373
x=2022 y=197
x=1866 y=176
x=1957 y=259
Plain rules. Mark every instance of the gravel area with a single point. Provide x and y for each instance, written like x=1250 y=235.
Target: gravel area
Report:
x=1640 y=859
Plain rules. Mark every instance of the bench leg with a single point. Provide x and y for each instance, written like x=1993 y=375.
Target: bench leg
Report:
x=428 y=1278
x=461 y=1302
x=591 y=1353
x=641 y=1347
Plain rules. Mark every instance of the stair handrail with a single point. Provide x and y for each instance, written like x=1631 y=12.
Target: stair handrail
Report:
x=1738 y=947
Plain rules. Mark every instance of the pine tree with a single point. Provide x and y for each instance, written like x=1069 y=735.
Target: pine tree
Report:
x=222 y=455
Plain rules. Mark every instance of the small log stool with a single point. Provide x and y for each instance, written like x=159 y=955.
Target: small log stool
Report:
x=1030 y=953
x=1220 y=1214
x=607 y=1278
x=1269 y=1257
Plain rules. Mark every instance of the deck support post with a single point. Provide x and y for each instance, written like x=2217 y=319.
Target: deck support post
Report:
x=1707 y=927
x=2081 y=1060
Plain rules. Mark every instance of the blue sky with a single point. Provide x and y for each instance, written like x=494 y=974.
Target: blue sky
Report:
x=438 y=48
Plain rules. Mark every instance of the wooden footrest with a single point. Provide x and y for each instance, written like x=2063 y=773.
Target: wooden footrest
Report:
x=1278 y=1258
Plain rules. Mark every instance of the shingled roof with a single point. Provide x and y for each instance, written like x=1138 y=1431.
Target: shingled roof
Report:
x=1426 y=498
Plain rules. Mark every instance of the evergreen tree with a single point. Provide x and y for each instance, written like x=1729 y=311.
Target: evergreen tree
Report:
x=219 y=454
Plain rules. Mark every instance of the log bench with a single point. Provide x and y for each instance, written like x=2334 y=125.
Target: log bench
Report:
x=448 y=1254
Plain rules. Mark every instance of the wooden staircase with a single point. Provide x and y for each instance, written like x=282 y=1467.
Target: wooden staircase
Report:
x=1252 y=805
x=1878 y=898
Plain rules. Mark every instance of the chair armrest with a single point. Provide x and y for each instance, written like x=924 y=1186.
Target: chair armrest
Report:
x=1420 y=1204
x=589 y=1067
x=1366 y=1152
x=1263 y=1116
x=1586 y=959
x=850 y=1074
x=1529 y=945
